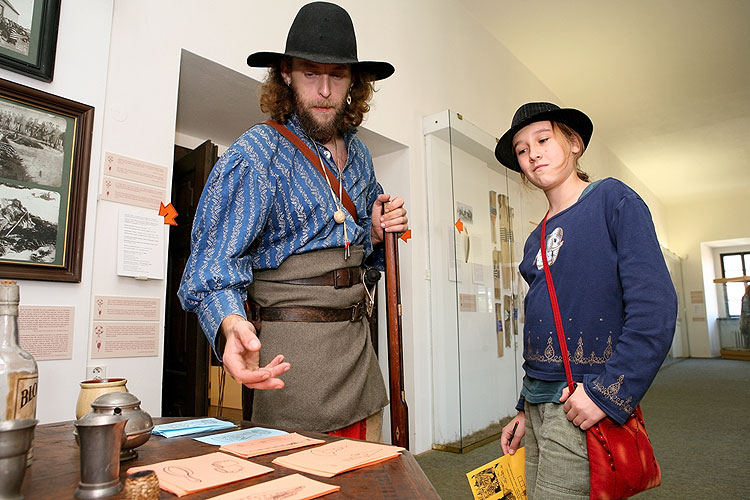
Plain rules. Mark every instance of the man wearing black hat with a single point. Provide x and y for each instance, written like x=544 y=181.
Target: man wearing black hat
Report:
x=289 y=217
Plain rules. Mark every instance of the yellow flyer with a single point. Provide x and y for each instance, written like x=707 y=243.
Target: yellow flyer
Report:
x=503 y=478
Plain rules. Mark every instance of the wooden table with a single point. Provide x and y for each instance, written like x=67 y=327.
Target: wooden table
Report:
x=55 y=471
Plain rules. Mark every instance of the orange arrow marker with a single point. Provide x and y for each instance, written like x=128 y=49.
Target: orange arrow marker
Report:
x=460 y=225
x=406 y=235
x=169 y=213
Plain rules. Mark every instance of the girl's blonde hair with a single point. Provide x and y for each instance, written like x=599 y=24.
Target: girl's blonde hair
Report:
x=567 y=137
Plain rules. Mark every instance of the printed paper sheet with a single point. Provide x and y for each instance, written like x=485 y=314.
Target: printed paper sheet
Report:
x=503 y=478
x=263 y=446
x=339 y=456
x=189 y=475
x=240 y=436
x=293 y=487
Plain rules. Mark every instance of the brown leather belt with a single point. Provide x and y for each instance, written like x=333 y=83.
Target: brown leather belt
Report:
x=307 y=314
x=339 y=278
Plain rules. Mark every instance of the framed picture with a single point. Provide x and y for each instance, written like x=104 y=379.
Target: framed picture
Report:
x=28 y=36
x=45 y=147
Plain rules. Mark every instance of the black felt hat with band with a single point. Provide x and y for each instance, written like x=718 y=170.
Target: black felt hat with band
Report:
x=323 y=33
x=536 y=112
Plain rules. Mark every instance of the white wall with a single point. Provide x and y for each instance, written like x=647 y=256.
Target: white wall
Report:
x=695 y=228
x=443 y=58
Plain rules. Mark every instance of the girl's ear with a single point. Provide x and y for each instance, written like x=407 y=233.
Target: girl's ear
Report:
x=575 y=146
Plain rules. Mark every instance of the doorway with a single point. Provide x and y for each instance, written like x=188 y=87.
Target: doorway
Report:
x=186 y=351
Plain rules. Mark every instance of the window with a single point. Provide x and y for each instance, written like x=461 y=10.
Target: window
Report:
x=734 y=265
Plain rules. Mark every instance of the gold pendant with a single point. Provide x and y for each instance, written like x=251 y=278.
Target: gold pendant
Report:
x=339 y=216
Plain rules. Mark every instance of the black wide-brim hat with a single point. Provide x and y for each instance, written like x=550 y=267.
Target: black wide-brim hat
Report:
x=533 y=112
x=323 y=33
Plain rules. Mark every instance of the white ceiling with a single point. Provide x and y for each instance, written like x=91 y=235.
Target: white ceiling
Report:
x=666 y=82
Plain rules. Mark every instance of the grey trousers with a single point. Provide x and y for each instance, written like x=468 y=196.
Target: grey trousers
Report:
x=557 y=463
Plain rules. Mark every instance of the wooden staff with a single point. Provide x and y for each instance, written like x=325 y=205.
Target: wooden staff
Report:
x=399 y=410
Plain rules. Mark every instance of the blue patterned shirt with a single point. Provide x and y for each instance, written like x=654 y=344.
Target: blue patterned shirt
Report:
x=263 y=202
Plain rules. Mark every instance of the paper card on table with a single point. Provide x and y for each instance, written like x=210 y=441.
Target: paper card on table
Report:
x=501 y=478
x=193 y=426
x=240 y=435
x=292 y=487
x=339 y=456
x=189 y=475
x=247 y=449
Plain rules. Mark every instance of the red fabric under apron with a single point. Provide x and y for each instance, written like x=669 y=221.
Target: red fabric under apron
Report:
x=357 y=430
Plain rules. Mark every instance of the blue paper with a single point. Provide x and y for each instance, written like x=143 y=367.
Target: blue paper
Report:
x=194 y=426
x=239 y=436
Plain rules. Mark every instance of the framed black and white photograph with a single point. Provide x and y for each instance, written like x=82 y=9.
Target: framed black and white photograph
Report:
x=45 y=147
x=28 y=36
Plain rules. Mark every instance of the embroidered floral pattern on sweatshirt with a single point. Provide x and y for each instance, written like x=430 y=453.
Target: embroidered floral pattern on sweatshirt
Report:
x=550 y=355
x=610 y=392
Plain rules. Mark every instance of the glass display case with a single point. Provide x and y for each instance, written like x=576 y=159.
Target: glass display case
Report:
x=480 y=214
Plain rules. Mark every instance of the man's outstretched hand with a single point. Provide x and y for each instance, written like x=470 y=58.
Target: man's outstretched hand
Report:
x=242 y=356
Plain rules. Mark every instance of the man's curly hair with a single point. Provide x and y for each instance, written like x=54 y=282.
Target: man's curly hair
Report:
x=277 y=98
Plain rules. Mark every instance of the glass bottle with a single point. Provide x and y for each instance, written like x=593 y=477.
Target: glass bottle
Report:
x=18 y=371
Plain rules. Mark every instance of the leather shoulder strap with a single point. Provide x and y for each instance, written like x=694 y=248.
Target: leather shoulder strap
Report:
x=305 y=150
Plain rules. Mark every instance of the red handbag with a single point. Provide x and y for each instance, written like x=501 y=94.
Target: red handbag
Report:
x=621 y=459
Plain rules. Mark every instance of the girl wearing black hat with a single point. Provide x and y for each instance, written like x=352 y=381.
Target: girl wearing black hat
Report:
x=616 y=299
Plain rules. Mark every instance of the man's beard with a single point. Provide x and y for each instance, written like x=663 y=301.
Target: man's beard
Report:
x=322 y=132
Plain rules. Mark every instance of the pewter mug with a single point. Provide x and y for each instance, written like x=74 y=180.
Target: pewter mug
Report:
x=15 y=440
x=100 y=438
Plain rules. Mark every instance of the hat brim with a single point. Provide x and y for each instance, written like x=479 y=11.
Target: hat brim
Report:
x=577 y=120
x=379 y=70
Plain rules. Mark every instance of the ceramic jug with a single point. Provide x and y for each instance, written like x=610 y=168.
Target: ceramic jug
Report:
x=92 y=389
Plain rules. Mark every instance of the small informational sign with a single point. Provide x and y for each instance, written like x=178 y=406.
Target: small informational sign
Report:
x=465 y=212
x=131 y=169
x=46 y=331
x=125 y=339
x=111 y=308
x=477 y=275
x=467 y=302
x=140 y=246
x=132 y=193
x=698 y=301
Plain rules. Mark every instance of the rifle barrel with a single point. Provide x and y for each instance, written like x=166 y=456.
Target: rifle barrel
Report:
x=399 y=410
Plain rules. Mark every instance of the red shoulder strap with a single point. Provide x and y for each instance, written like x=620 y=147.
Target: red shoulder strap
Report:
x=305 y=150
x=555 y=308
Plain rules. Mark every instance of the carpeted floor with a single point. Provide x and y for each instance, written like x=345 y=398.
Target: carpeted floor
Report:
x=698 y=415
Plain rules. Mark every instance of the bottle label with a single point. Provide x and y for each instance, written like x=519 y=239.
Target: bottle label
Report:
x=22 y=395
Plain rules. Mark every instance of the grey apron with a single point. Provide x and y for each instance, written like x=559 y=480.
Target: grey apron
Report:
x=334 y=379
